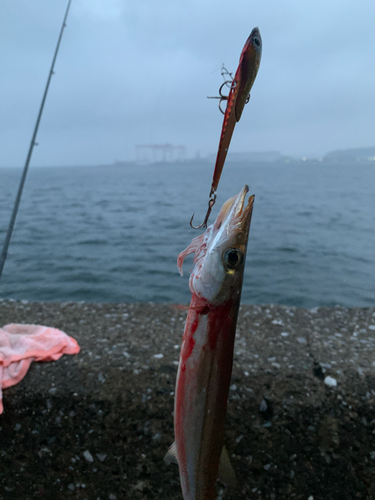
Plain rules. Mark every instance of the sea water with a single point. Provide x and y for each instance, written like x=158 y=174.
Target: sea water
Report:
x=113 y=233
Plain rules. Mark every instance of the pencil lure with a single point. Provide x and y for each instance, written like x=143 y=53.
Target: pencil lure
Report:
x=239 y=95
x=206 y=356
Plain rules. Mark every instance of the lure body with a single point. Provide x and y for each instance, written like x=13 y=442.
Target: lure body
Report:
x=240 y=89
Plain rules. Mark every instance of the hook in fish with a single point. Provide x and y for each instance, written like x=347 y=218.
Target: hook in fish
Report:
x=211 y=203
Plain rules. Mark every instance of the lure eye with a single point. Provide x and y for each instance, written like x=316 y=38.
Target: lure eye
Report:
x=233 y=257
x=256 y=40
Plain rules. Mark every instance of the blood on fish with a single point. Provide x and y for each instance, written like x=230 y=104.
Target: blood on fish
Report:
x=190 y=341
x=223 y=316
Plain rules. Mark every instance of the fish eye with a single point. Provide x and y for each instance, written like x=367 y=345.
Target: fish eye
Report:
x=256 y=40
x=233 y=257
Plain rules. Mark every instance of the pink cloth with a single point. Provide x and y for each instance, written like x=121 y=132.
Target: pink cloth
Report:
x=20 y=345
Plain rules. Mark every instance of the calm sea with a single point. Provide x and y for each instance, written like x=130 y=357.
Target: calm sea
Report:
x=112 y=234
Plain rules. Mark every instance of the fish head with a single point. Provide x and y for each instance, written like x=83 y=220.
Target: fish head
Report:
x=220 y=252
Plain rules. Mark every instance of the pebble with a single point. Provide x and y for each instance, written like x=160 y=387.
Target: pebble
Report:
x=263 y=406
x=277 y=322
x=330 y=381
x=88 y=456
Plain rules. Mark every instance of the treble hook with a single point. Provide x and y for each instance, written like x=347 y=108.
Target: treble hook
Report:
x=227 y=83
x=211 y=203
x=221 y=97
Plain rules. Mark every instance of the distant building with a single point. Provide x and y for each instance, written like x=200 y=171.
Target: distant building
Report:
x=351 y=155
x=251 y=157
x=156 y=153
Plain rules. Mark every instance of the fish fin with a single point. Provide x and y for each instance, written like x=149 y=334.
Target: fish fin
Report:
x=171 y=456
x=226 y=473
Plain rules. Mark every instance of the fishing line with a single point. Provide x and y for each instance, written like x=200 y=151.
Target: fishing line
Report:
x=33 y=143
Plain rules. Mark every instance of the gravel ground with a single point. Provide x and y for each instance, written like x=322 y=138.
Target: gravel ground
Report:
x=300 y=423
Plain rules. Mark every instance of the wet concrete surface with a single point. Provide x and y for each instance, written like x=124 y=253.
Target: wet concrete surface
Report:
x=300 y=423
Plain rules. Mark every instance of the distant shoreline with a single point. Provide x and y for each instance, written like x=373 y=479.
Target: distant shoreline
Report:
x=207 y=163
x=356 y=156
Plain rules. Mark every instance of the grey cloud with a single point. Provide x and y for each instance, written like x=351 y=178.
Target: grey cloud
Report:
x=135 y=72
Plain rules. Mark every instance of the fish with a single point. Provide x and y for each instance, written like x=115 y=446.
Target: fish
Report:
x=206 y=356
x=238 y=96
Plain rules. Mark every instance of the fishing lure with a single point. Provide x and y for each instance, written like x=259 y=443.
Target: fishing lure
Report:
x=239 y=95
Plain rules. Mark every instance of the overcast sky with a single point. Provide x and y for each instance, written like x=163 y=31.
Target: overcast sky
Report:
x=138 y=72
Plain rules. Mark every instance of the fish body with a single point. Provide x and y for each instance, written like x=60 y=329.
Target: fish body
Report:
x=207 y=347
x=240 y=89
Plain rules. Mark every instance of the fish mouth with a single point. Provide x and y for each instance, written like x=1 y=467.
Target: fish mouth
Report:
x=234 y=214
x=240 y=211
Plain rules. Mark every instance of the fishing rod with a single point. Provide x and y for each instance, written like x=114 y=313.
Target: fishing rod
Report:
x=33 y=143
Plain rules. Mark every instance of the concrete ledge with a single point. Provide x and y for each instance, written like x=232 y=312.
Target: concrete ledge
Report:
x=97 y=425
